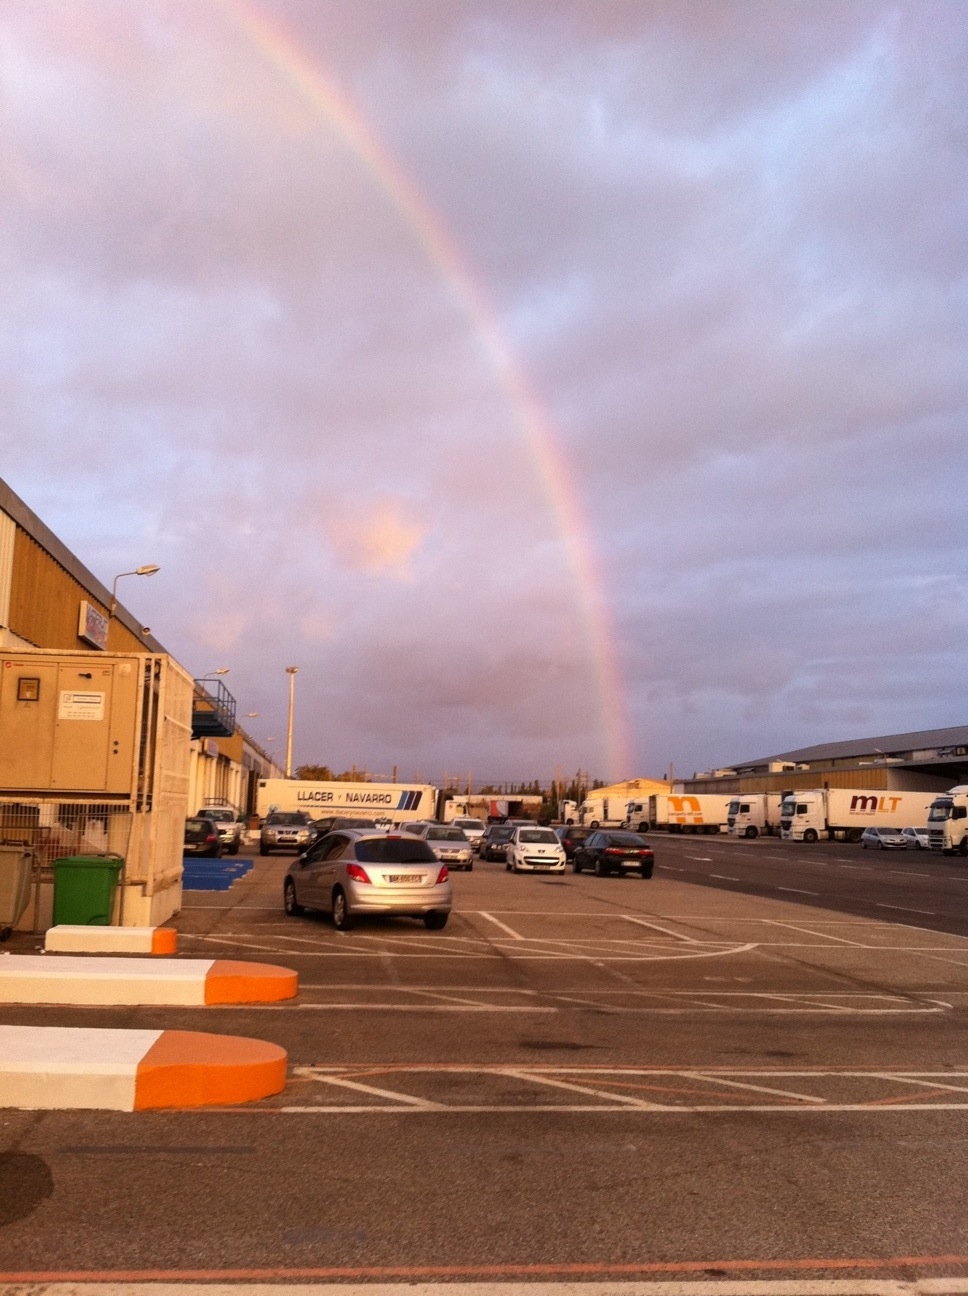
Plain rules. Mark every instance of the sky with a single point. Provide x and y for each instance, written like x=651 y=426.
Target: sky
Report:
x=560 y=384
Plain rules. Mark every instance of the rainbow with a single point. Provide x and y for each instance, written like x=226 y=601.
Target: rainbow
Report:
x=346 y=120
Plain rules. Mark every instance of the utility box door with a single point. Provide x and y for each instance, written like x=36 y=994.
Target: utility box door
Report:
x=77 y=733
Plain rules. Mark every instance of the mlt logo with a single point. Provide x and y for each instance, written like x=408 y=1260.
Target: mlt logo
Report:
x=874 y=804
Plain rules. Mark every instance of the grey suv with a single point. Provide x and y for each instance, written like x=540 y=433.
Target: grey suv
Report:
x=285 y=829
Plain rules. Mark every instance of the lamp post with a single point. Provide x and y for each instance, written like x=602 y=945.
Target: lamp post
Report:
x=291 y=672
x=148 y=569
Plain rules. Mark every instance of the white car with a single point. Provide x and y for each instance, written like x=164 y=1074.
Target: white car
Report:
x=916 y=838
x=472 y=828
x=534 y=850
x=448 y=843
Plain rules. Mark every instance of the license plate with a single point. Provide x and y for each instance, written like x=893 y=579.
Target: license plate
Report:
x=405 y=877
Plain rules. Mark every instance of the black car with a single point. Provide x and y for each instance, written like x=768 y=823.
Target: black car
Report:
x=202 y=836
x=571 y=836
x=494 y=843
x=613 y=852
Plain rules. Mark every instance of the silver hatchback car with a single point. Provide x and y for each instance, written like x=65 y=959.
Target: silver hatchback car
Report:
x=356 y=871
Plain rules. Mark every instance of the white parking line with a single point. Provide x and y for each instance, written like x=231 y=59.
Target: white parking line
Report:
x=508 y=930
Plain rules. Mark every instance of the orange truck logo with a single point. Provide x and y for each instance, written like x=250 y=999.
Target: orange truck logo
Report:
x=684 y=810
x=871 y=805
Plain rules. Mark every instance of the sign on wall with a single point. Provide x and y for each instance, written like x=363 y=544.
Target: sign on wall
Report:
x=92 y=626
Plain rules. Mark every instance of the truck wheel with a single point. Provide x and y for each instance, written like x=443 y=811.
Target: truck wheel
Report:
x=811 y=836
x=751 y=832
x=964 y=845
x=854 y=834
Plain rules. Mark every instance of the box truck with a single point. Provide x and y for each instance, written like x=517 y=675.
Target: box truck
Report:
x=751 y=813
x=842 y=814
x=384 y=803
x=948 y=821
x=705 y=812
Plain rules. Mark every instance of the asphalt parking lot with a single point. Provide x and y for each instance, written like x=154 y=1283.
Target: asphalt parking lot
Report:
x=580 y=1078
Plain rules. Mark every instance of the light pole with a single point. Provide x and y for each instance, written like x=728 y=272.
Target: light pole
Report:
x=291 y=672
x=148 y=569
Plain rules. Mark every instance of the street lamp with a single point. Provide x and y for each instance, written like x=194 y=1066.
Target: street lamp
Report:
x=291 y=672
x=148 y=569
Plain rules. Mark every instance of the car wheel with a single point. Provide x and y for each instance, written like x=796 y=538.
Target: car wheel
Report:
x=289 y=902
x=470 y=868
x=342 y=918
x=234 y=849
x=576 y=865
x=600 y=869
x=646 y=870
x=435 y=921
x=263 y=850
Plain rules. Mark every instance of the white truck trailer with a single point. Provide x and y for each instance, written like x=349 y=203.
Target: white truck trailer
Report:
x=948 y=821
x=842 y=814
x=385 y=803
x=753 y=813
x=703 y=812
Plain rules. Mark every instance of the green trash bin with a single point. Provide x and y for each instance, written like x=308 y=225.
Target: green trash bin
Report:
x=84 y=887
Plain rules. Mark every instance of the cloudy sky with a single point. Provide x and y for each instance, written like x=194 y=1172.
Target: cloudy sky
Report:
x=557 y=383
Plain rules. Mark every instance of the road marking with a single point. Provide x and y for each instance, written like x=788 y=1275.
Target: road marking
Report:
x=417 y=1280
x=643 y=1090
x=721 y=877
x=508 y=930
x=701 y=859
x=928 y=913
x=797 y=891
x=641 y=922
x=807 y=931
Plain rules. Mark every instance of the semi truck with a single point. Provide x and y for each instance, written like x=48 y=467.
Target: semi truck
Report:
x=703 y=812
x=948 y=821
x=384 y=803
x=752 y=813
x=602 y=812
x=842 y=814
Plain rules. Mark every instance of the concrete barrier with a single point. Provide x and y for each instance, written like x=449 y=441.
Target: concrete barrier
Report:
x=68 y=939
x=78 y=979
x=51 y=1067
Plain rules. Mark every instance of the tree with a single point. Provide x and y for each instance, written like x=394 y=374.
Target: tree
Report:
x=317 y=773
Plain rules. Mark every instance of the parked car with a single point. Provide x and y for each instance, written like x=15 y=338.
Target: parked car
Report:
x=571 y=836
x=332 y=822
x=533 y=850
x=229 y=824
x=359 y=871
x=285 y=828
x=883 y=838
x=916 y=838
x=473 y=828
x=202 y=836
x=606 y=852
x=448 y=843
x=494 y=843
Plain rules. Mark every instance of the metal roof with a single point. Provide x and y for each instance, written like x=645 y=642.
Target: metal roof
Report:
x=921 y=740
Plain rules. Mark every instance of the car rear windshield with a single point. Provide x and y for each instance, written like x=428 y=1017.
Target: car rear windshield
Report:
x=394 y=850
x=625 y=839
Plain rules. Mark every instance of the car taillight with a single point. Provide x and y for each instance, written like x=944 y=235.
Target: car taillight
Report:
x=442 y=876
x=357 y=873
x=614 y=850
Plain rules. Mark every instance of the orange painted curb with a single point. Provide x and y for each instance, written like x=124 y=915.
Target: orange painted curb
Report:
x=164 y=940
x=229 y=982
x=196 y=1069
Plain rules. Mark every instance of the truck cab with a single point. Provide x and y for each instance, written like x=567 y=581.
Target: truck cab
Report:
x=948 y=822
